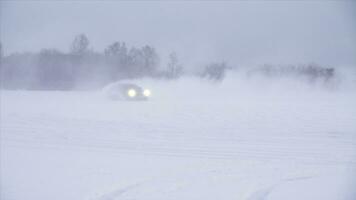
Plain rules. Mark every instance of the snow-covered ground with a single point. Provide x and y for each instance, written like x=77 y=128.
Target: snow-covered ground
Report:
x=193 y=140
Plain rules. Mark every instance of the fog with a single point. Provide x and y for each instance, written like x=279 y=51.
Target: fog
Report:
x=42 y=42
x=241 y=33
x=109 y=100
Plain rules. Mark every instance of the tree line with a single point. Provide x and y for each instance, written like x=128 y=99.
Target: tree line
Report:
x=82 y=67
x=311 y=72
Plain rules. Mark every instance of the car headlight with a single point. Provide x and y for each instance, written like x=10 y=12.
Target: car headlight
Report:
x=131 y=93
x=146 y=93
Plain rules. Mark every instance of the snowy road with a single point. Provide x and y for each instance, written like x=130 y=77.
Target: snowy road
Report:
x=180 y=145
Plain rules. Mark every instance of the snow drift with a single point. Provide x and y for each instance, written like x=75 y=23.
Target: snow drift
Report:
x=245 y=138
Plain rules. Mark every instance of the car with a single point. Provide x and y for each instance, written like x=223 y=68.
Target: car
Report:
x=128 y=92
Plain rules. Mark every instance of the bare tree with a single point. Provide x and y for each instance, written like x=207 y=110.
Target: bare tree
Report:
x=142 y=62
x=151 y=59
x=175 y=69
x=117 y=58
x=80 y=44
x=215 y=71
x=54 y=70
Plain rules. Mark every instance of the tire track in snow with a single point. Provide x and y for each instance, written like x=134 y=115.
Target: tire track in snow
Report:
x=148 y=139
x=117 y=193
x=262 y=193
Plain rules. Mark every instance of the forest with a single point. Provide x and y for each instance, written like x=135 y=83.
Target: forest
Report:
x=84 y=68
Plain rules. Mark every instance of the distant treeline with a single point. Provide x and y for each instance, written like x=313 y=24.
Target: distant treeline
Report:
x=83 y=68
x=310 y=72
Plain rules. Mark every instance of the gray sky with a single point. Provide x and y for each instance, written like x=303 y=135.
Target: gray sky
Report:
x=241 y=33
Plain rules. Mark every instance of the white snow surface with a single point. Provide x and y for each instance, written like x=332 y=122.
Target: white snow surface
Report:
x=193 y=140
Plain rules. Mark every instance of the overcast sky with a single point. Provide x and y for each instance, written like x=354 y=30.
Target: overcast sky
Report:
x=241 y=33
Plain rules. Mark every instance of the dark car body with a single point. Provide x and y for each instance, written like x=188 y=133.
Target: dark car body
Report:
x=127 y=91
